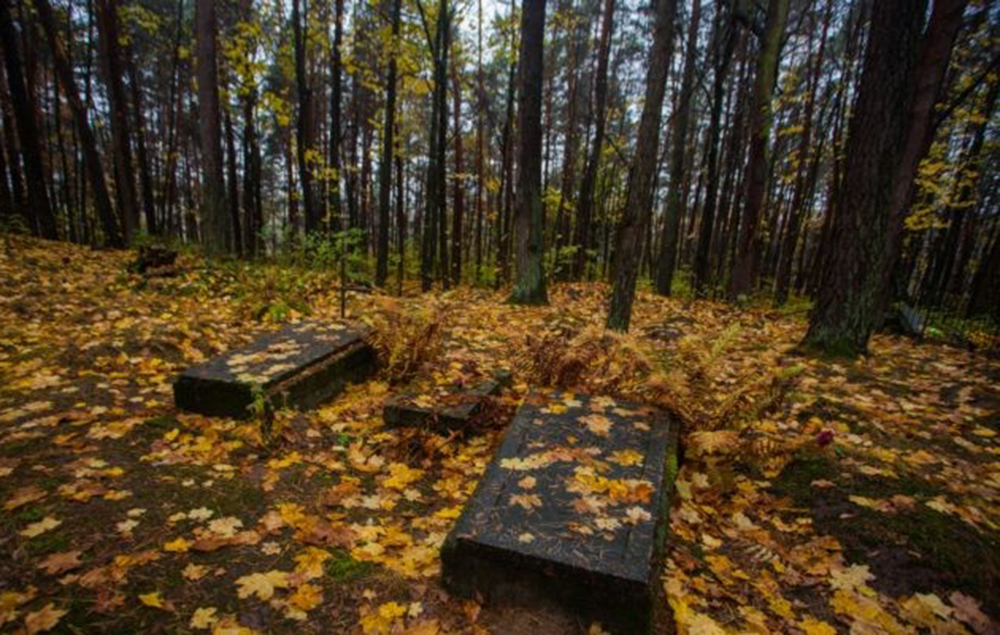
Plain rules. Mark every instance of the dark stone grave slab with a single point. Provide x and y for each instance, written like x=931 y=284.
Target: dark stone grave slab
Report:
x=572 y=509
x=440 y=408
x=299 y=366
x=911 y=320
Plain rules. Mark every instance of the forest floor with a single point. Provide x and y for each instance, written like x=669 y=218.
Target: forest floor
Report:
x=816 y=495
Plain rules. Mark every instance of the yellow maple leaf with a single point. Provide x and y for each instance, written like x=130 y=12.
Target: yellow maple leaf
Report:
x=383 y=619
x=44 y=619
x=812 y=626
x=401 y=475
x=203 y=618
x=310 y=562
x=306 y=597
x=179 y=545
x=261 y=584
x=626 y=457
x=152 y=599
x=40 y=527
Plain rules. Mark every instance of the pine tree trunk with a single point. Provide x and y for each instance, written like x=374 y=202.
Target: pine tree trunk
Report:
x=92 y=158
x=848 y=304
x=638 y=201
x=385 y=165
x=529 y=287
x=583 y=236
x=145 y=177
x=671 y=223
x=303 y=128
x=40 y=216
x=335 y=115
x=800 y=195
x=214 y=215
x=744 y=270
x=114 y=72
x=458 y=212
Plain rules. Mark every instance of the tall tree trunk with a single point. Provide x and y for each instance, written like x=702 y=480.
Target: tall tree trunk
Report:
x=114 y=71
x=41 y=217
x=928 y=82
x=303 y=128
x=529 y=287
x=10 y=140
x=435 y=231
x=744 y=270
x=967 y=181
x=6 y=199
x=145 y=176
x=458 y=211
x=214 y=215
x=335 y=115
x=385 y=165
x=583 y=237
x=92 y=158
x=848 y=303
x=638 y=203
x=232 y=183
x=671 y=224
x=504 y=196
x=480 y=148
x=800 y=195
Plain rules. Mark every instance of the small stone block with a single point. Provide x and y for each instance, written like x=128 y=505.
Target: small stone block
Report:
x=299 y=366
x=572 y=510
x=444 y=410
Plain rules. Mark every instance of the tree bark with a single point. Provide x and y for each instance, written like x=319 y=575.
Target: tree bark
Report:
x=529 y=287
x=745 y=266
x=40 y=217
x=214 y=215
x=458 y=210
x=583 y=237
x=848 y=304
x=114 y=71
x=385 y=165
x=335 y=116
x=303 y=128
x=92 y=158
x=800 y=195
x=671 y=223
x=638 y=202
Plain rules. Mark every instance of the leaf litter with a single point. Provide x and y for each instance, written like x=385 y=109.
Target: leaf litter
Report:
x=817 y=495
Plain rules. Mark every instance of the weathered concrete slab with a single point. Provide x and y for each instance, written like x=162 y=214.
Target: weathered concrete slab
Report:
x=299 y=366
x=572 y=509
x=441 y=408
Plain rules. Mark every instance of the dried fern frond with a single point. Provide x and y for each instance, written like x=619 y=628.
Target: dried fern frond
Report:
x=406 y=339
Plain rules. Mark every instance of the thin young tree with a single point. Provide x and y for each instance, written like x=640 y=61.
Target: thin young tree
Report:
x=583 y=231
x=745 y=266
x=385 y=166
x=678 y=158
x=638 y=202
x=529 y=288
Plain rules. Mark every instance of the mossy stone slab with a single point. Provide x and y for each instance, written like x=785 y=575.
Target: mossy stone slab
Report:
x=299 y=366
x=572 y=509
